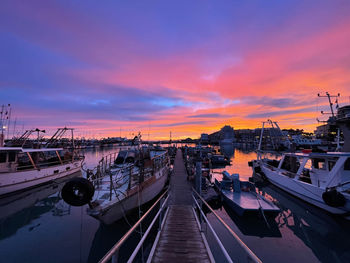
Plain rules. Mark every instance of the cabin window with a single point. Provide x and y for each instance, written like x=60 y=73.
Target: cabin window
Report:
x=51 y=158
x=319 y=164
x=12 y=157
x=331 y=163
x=290 y=164
x=40 y=159
x=347 y=165
x=2 y=157
x=308 y=164
x=24 y=162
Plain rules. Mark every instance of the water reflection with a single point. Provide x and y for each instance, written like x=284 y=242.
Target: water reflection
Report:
x=256 y=225
x=227 y=150
x=22 y=209
x=324 y=234
x=249 y=225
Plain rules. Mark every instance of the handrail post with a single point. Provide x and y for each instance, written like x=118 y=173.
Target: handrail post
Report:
x=115 y=257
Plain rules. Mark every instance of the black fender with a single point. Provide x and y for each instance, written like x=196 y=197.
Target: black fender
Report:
x=333 y=198
x=257 y=169
x=78 y=191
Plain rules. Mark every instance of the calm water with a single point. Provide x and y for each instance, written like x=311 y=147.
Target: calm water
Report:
x=39 y=226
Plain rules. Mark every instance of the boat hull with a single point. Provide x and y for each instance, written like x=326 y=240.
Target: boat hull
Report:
x=11 y=183
x=302 y=190
x=246 y=202
x=149 y=190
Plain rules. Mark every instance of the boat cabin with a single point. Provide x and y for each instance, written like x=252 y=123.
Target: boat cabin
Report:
x=320 y=169
x=14 y=159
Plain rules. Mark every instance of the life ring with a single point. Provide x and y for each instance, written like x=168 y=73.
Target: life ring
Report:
x=78 y=191
x=333 y=198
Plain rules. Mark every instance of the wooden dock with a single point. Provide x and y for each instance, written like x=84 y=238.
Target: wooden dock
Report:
x=181 y=239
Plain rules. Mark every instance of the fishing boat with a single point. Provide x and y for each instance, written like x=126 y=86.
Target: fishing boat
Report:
x=322 y=179
x=24 y=168
x=242 y=197
x=123 y=186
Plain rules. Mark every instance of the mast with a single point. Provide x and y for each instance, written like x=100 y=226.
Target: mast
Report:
x=260 y=141
x=330 y=102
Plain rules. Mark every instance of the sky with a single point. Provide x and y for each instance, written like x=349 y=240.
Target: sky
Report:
x=111 y=68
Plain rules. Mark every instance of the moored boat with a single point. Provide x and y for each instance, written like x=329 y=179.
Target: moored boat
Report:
x=126 y=185
x=322 y=179
x=23 y=168
x=242 y=197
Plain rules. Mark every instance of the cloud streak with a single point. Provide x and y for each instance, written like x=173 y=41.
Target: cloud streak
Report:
x=189 y=67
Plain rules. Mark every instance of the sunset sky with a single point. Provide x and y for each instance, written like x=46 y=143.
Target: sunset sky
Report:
x=182 y=66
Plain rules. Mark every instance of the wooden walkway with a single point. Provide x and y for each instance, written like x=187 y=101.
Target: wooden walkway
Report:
x=180 y=239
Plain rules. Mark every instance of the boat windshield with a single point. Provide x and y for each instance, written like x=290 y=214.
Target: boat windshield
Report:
x=291 y=164
x=332 y=162
x=121 y=157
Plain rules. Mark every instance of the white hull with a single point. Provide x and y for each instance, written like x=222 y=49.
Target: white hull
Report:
x=118 y=209
x=16 y=181
x=305 y=191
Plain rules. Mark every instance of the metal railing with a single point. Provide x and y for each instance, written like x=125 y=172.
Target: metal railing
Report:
x=250 y=253
x=112 y=254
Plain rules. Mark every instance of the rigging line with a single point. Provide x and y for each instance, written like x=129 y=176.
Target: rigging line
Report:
x=261 y=209
x=123 y=210
x=124 y=214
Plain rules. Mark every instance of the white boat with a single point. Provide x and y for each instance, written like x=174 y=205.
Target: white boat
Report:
x=322 y=179
x=129 y=189
x=122 y=187
x=23 y=168
x=300 y=140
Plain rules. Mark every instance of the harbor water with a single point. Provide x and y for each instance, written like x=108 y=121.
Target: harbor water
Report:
x=38 y=226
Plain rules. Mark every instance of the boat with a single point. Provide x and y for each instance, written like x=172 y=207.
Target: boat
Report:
x=23 y=168
x=302 y=141
x=218 y=159
x=319 y=178
x=242 y=197
x=135 y=178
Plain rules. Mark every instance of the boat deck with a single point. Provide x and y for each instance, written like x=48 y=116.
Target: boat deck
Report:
x=180 y=239
x=250 y=201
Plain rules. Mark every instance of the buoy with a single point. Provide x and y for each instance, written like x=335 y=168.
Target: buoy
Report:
x=333 y=198
x=78 y=191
